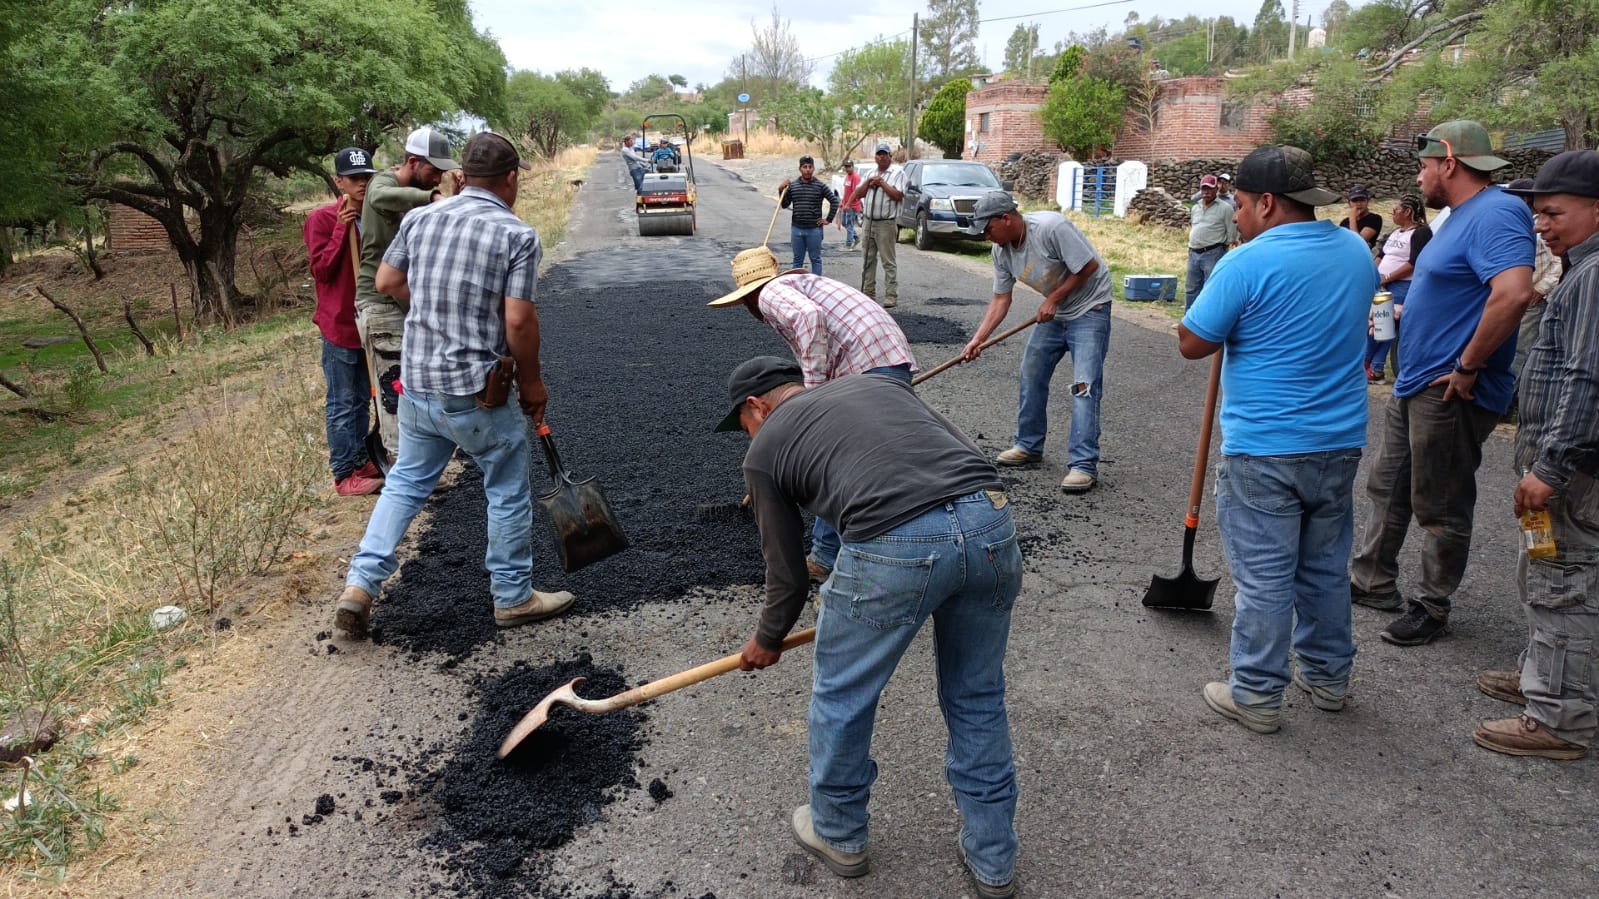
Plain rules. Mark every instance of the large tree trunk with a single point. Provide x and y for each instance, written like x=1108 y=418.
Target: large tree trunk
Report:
x=209 y=263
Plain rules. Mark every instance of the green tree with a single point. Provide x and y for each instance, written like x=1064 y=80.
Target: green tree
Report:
x=1067 y=64
x=1335 y=18
x=774 y=64
x=1332 y=122
x=949 y=39
x=1021 y=51
x=1270 y=33
x=835 y=123
x=206 y=94
x=1083 y=115
x=544 y=110
x=943 y=123
x=879 y=70
x=589 y=86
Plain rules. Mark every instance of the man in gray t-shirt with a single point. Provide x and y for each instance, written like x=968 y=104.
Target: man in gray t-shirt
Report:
x=1047 y=253
x=926 y=534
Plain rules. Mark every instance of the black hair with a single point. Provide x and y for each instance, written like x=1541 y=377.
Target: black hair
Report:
x=1418 y=209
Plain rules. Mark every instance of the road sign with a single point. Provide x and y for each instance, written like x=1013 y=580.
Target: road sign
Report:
x=743 y=98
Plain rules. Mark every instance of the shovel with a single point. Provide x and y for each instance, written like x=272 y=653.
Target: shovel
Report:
x=565 y=695
x=945 y=366
x=586 y=530
x=1187 y=590
x=375 y=450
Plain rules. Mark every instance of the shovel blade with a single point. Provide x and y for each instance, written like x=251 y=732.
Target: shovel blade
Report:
x=565 y=694
x=1185 y=591
x=586 y=530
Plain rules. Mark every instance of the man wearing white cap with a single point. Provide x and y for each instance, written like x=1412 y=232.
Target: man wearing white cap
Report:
x=381 y=319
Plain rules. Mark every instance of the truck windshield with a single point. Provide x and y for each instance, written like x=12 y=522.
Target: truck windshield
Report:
x=971 y=174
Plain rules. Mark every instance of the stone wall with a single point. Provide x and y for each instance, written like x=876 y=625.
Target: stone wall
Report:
x=1034 y=173
x=1386 y=172
x=1154 y=206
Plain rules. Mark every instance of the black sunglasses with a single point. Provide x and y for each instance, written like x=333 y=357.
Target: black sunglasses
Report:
x=1423 y=140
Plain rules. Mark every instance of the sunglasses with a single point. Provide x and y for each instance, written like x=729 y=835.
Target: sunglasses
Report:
x=1423 y=140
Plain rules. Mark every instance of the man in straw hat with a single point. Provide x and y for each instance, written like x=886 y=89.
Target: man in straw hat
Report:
x=468 y=270
x=833 y=329
x=1557 y=445
x=1293 y=419
x=931 y=535
x=1466 y=298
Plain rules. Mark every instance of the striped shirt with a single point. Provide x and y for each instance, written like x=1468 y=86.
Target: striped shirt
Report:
x=1558 y=433
x=461 y=258
x=879 y=205
x=806 y=197
x=833 y=329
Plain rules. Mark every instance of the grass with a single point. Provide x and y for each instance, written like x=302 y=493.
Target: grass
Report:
x=180 y=479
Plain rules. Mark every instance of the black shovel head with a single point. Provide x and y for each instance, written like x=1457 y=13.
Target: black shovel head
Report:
x=1185 y=591
x=586 y=530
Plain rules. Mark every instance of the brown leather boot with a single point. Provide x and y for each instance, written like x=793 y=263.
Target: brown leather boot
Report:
x=1504 y=686
x=351 y=612
x=1525 y=737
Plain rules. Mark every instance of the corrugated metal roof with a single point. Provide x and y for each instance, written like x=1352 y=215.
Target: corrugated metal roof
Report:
x=1551 y=139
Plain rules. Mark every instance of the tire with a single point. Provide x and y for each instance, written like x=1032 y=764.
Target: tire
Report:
x=924 y=237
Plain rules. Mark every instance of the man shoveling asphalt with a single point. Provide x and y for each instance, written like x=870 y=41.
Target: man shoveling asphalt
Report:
x=926 y=534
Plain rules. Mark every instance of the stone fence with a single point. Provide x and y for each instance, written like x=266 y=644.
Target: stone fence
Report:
x=1386 y=172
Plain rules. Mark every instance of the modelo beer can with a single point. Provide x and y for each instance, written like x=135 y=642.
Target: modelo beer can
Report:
x=1382 y=316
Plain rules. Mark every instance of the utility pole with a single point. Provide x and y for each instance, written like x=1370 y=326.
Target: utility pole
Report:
x=910 y=117
x=1210 y=41
x=743 y=88
x=1293 y=28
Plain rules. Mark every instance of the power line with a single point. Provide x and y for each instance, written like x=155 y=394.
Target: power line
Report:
x=1049 y=12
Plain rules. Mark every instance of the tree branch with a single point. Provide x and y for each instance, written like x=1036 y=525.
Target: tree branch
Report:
x=82 y=328
x=1458 y=24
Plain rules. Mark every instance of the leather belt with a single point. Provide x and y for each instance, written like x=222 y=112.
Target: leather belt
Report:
x=1214 y=246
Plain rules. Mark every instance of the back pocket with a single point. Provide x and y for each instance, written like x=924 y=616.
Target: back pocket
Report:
x=884 y=592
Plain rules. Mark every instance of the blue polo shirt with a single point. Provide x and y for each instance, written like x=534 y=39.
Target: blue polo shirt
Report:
x=1486 y=235
x=1290 y=307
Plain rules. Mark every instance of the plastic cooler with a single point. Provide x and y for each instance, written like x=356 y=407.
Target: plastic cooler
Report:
x=1149 y=287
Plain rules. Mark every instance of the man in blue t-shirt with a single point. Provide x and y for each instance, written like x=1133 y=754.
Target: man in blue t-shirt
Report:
x=1466 y=297
x=1290 y=307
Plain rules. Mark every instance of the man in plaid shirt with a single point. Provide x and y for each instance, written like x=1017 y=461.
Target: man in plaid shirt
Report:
x=833 y=329
x=468 y=268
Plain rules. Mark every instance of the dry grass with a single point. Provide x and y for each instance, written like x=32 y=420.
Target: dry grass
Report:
x=762 y=143
x=548 y=191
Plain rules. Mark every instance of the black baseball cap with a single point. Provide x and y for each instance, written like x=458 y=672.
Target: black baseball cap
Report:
x=1572 y=172
x=754 y=377
x=1285 y=171
x=1359 y=192
x=488 y=154
x=353 y=161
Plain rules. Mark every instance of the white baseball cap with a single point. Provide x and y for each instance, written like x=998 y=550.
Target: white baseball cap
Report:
x=432 y=146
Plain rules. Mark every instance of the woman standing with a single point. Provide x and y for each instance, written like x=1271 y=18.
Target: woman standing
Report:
x=1395 y=264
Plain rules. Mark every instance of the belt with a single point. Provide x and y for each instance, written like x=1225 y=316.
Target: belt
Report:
x=1214 y=246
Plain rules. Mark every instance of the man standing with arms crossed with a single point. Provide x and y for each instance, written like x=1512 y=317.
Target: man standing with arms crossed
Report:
x=1466 y=298
x=1047 y=253
x=927 y=534
x=468 y=269
x=880 y=194
x=1293 y=418
x=1557 y=445
x=381 y=319
x=1211 y=231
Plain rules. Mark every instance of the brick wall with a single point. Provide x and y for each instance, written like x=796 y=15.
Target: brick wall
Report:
x=1002 y=118
x=131 y=231
x=1189 y=124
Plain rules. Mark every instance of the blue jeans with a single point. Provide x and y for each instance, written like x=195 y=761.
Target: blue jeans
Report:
x=1199 y=268
x=1287 y=523
x=1377 y=350
x=807 y=242
x=959 y=564
x=848 y=218
x=824 y=537
x=349 y=402
x=637 y=173
x=1086 y=337
x=432 y=425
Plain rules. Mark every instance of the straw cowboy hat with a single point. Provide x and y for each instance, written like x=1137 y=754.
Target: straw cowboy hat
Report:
x=751 y=270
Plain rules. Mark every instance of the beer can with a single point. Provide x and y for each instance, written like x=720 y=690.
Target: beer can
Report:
x=1382 y=316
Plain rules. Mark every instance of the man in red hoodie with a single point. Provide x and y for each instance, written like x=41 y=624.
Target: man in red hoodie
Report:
x=327 y=238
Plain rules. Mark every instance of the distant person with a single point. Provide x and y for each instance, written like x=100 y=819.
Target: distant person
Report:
x=880 y=192
x=929 y=535
x=389 y=196
x=635 y=163
x=1557 y=448
x=333 y=263
x=1293 y=421
x=834 y=330
x=850 y=215
x=1396 y=263
x=666 y=158
x=1546 y=273
x=1457 y=342
x=469 y=270
x=1046 y=252
x=1211 y=231
x=1224 y=189
x=806 y=197
x=1361 y=219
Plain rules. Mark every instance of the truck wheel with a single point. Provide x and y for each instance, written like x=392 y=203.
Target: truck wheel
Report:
x=924 y=237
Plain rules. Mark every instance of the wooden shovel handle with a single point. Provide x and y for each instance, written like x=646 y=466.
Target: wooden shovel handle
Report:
x=945 y=366
x=774 y=218
x=688 y=678
x=1196 y=492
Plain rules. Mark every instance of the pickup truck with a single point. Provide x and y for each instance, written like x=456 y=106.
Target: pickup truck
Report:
x=940 y=195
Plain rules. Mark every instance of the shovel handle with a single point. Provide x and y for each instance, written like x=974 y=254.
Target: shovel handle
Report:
x=557 y=472
x=945 y=366
x=774 y=218
x=678 y=681
x=1196 y=492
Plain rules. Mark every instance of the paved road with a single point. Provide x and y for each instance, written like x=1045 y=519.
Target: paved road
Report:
x=1130 y=786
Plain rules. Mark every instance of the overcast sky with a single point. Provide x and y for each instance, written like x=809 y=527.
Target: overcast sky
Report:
x=698 y=39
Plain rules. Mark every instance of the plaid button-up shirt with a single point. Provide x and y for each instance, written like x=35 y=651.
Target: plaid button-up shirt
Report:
x=832 y=328
x=462 y=258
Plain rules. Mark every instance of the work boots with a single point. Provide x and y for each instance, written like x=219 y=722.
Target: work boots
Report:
x=844 y=864
x=351 y=612
x=1525 y=737
x=1504 y=686
x=536 y=608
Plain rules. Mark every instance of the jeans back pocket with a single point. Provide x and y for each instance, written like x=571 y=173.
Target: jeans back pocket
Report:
x=884 y=591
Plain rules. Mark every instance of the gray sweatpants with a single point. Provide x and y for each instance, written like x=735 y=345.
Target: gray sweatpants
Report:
x=1560 y=667
x=1426 y=466
x=879 y=241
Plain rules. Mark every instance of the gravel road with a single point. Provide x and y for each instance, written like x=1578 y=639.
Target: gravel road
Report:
x=1130 y=786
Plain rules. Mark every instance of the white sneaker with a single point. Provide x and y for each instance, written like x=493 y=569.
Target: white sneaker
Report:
x=1078 y=482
